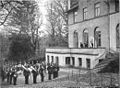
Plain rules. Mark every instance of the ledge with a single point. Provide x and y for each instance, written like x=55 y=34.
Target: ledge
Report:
x=72 y=8
x=78 y=51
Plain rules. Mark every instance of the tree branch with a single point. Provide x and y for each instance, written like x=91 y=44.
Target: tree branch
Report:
x=1 y=23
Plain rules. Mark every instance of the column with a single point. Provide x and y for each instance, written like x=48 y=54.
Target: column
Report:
x=84 y=62
x=76 y=62
x=71 y=61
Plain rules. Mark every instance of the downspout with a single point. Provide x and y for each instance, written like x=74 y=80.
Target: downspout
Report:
x=108 y=15
x=108 y=4
x=119 y=47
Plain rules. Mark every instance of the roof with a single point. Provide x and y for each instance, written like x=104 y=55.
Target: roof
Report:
x=73 y=8
x=36 y=58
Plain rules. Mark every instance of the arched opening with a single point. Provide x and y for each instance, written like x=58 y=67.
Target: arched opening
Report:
x=75 y=35
x=85 y=38
x=97 y=37
x=118 y=36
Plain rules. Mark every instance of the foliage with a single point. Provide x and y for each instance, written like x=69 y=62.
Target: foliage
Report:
x=28 y=19
x=22 y=19
x=22 y=15
x=4 y=46
x=20 y=47
x=7 y=7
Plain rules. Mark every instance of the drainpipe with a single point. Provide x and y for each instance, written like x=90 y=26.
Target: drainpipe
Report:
x=108 y=14
x=119 y=47
x=119 y=56
x=108 y=4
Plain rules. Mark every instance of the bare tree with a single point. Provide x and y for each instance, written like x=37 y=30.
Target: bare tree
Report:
x=22 y=15
x=6 y=9
x=28 y=19
x=58 y=21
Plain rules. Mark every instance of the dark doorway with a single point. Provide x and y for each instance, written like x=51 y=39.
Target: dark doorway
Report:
x=57 y=60
x=80 y=61
x=88 y=63
x=67 y=60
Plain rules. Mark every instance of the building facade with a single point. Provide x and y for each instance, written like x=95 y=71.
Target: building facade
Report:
x=93 y=30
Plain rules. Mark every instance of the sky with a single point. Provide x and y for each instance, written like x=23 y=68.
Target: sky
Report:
x=43 y=10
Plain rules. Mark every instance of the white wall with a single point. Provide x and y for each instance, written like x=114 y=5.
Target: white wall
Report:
x=91 y=54
x=114 y=20
x=101 y=22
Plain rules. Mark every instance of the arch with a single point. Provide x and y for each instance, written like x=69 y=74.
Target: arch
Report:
x=75 y=38
x=97 y=37
x=85 y=37
x=117 y=36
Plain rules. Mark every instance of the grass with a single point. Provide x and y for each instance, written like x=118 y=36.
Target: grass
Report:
x=94 y=79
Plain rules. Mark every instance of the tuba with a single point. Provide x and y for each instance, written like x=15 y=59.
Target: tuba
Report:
x=24 y=68
x=33 y=68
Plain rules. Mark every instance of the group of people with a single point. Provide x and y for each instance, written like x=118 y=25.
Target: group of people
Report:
x=12 y=72
x=85 y=45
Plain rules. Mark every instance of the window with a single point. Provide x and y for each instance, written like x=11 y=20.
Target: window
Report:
x=117 y=36
x=75 y=16
x=75 y=38
x=52 y=59
x=48 y=61
x=97 y=37
x=116 y=5
x=85 y=37
x=80 y=61
x=85 y=12
x=67 y=60
x=73 y=61
x=57 y=60
x=88 y=63
x=97 y=9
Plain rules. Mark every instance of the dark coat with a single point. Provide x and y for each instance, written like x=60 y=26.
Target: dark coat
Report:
x=26 y=73
x=50 y=69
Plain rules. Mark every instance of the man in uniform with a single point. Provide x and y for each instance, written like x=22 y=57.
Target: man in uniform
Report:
x=11 y=74
x=8 y=75
x=56 y=70
x=26 y=74
x=35 y=73
x=41 y=71
x=15 y=75
x=2 y=74
x=50 y=71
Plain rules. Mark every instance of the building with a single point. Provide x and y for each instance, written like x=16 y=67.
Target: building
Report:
x=93 y=31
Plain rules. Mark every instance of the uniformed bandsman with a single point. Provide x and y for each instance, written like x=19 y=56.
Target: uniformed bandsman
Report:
x=50 y=71
x=8 y=75
x=15 y=75
x=26 y=73
x=11 y=75
x=41 y=71
x=55 y=70
x=35 y=73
